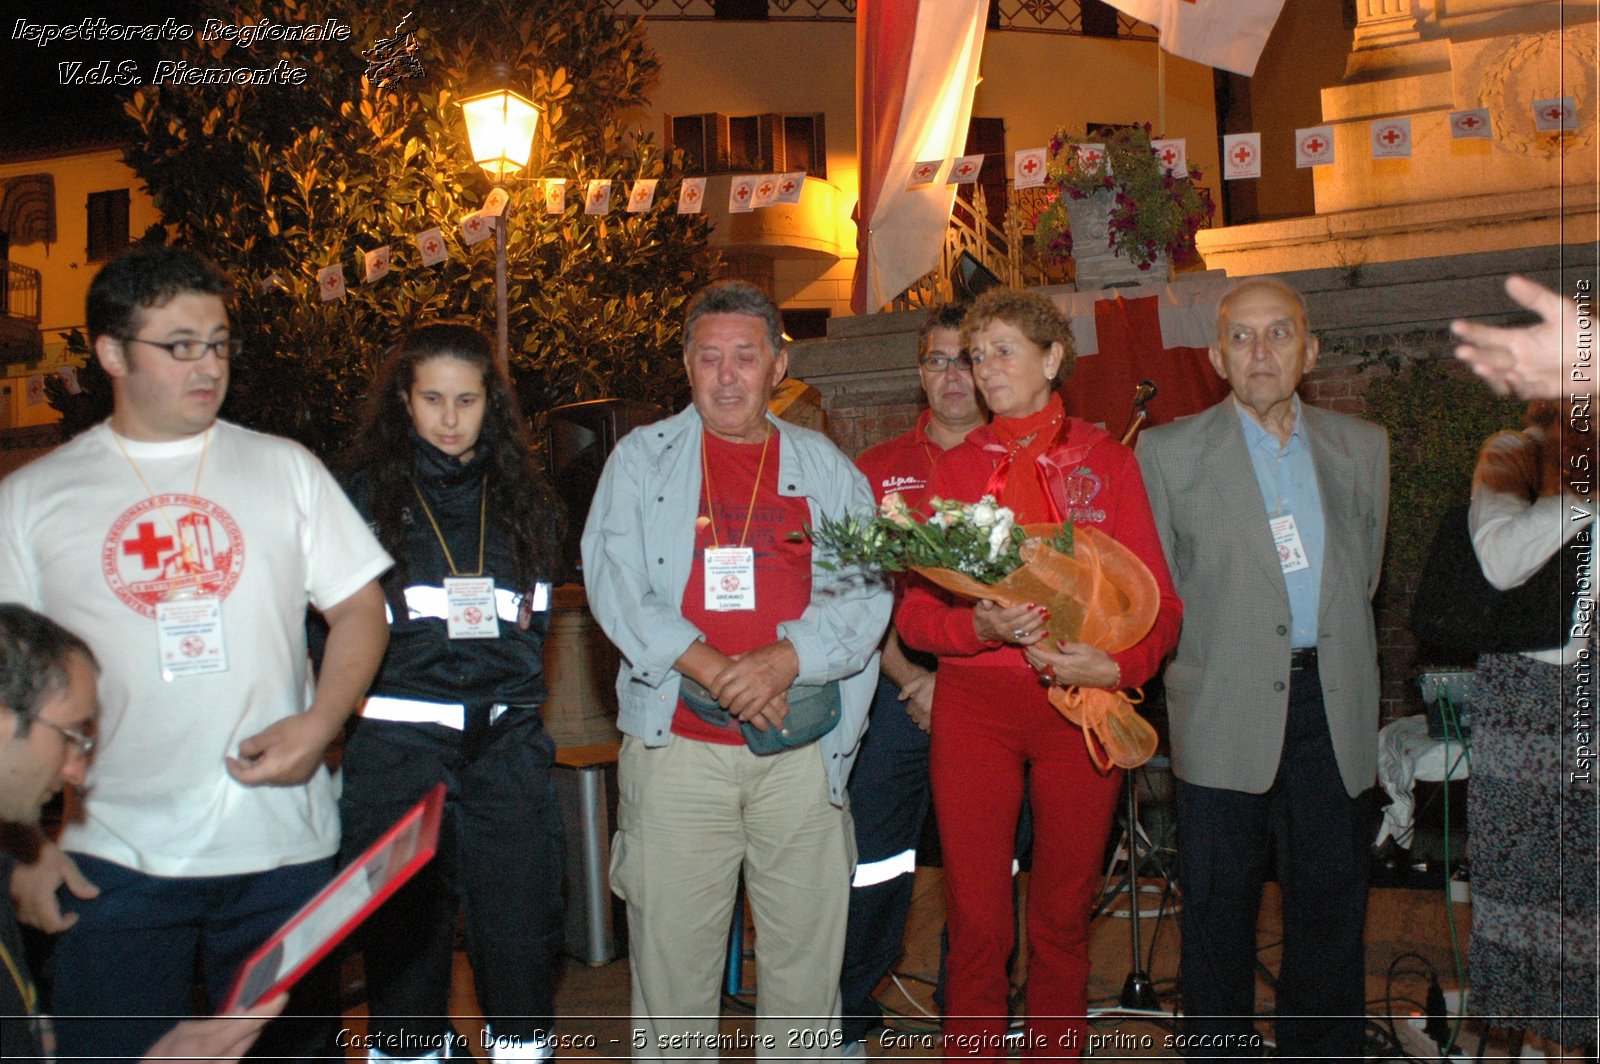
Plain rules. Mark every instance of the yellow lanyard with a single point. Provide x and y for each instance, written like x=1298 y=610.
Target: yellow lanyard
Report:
x=200 y=468
x=705 y=475
x=483 y=511
x=29 y=994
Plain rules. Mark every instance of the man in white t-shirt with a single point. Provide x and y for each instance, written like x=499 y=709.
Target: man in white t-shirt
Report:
x=185 y=550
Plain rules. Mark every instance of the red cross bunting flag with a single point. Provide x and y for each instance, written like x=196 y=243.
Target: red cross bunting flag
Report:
x=1554 y=115
x=740 y=192
x=1174 y=155
x=430 y=246
x=375 y=264
x=475 y=227
x=923 y=173
x=766 y=193
x=597 y=199
x=555 y=195
x=330 y=282
x=790 y=186
x=1473 y=124
x=33 y=391
x=1314 y=146
x=495 y=205
x=1391 y=139
x=643 y=196
x=1093 y=156
x=1241 y=156
x=1027 y=168
x=964 y=170
x=691 y=195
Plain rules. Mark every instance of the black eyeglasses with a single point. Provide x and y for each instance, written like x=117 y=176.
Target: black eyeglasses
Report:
x=193 y=350
x=84 y=743
x=940 y=363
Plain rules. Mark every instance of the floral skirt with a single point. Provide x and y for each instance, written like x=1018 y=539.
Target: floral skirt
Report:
x=1532 y=843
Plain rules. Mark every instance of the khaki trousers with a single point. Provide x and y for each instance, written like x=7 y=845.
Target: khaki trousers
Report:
x=690 y=814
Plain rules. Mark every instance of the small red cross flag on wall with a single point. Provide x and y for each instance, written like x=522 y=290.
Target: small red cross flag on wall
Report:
x=1093 y=156
x=1174 y=155
x=643 y=195
x=1391 y=139
x=495 y=205
x=740 y=193
x=1027 y=168
x=691 y=195
x=964 y=170
x=1313 y=146
x=1473 y=124
x=922 y=173
x=1241 y=156
x=430 y=246
x=597 y=200
x=790 y=186
x=1555 y=115
x=475 y=227
x=766 y=193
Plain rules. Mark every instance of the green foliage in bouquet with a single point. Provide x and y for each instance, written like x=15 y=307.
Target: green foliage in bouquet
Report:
x=980 y=539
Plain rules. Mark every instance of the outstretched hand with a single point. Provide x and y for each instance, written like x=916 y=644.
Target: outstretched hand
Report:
x=1529 y=360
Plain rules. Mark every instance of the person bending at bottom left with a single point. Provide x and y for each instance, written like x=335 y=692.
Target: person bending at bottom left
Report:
x=444 y=471
x=48 y=713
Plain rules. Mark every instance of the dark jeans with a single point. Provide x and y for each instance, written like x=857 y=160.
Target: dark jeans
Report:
x=1316 y=831
x=889 y=799
x=138 y=947
x=501 y=851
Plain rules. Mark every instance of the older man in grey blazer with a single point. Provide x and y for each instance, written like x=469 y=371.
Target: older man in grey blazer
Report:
x=1272 y=515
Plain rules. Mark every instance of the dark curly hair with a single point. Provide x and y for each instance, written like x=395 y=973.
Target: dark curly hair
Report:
x=521 y=501
x=34 y=651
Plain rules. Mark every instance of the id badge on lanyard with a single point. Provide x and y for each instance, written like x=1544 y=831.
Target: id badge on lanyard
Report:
x=1291 y=551
x=470 y=606
x=189 y=637
x=730 y=578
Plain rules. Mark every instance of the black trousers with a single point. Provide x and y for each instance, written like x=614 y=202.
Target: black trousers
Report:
x=1315 y=834
x=501 y=852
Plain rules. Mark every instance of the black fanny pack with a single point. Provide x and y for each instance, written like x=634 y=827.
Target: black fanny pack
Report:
x=814 y=711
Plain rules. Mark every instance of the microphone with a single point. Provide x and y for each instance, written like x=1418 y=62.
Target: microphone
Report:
x=1145 y=392
x=1142 y=394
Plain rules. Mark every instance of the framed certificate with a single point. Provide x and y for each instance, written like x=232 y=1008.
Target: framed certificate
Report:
x=324 y=921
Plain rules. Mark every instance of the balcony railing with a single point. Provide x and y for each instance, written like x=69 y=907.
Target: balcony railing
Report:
x=20 y=292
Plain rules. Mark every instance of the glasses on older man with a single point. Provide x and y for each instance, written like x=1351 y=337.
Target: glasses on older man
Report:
x=941 y=363
x=193 y=350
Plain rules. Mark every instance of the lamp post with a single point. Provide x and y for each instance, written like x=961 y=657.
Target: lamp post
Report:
x=500 y=126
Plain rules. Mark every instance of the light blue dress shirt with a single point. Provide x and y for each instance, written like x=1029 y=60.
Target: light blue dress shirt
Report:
x=1288 y=483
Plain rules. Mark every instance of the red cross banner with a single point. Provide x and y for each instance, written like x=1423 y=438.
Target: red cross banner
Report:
x=1092 y=156
x=33 y=393
x=643 y=196
x=597 y=198
x=430 y=246
x=1174 y=155
x=475 y=227
x=1027 y=168
x=766 y=192
x=691 y=195
x=964 y=170
x=1391 y=139
x=330 y=282
x=1555 y=115
x=741 y=193
x=555 y=195
x=495 y=205
x=1241 y=156
x=1314 y=146
x=1221 y=33
x=790 y=185
x=1473 y=124
x=923 y=173
x=375 y=264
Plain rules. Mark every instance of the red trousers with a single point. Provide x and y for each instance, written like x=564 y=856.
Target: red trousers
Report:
x=988 y=723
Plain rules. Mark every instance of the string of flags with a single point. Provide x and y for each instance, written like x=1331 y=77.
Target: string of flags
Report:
x=747 y=192
x=1389 y=138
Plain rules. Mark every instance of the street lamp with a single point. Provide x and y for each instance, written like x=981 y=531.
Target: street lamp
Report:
x=500 y=126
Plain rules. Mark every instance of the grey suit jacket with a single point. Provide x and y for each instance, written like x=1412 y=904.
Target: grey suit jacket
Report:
x=1228 y=685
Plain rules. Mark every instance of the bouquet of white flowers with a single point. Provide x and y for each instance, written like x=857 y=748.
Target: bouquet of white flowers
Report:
x=1096 y=590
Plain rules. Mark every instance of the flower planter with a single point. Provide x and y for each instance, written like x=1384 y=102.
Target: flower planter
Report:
x=1097 y=263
